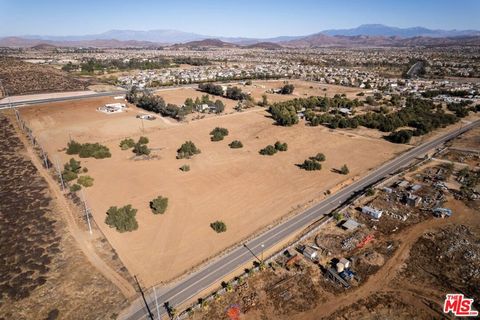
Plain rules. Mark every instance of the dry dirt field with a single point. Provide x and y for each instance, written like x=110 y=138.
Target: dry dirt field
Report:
x=303 y=89
x=80 y=120
x=44 y=274
x=246 y=190
x=178 y=95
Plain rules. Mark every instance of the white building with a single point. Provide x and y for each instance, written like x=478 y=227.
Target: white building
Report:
x=375 y=213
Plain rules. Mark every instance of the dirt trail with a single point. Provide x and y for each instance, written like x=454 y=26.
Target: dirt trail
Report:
x=81 y=237
x=381 y=280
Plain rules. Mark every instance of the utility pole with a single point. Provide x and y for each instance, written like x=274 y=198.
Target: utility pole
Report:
x=150 y=314
x=87 y=212
x=156 y=302
x=245 y=245
x=263 y=246
x=59 y=170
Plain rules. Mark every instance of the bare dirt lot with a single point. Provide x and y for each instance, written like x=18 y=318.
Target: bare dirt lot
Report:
x=43 y=272
x=303 y=89
x=178 y=95
x=244 y=189
x=81 y=120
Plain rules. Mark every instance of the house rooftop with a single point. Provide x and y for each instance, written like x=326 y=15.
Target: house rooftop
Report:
x=350 y=224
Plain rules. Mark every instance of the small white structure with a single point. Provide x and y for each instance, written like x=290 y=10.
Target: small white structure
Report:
x=112 y=108
x=146 y=116
x=375 y=213
x=350 y=225
x=345 y=262
x=202 y=107
x=310 y=253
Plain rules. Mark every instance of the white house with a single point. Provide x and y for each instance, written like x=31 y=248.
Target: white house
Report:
x=375 y=213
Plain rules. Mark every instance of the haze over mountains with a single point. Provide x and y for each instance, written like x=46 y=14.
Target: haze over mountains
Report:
x=364 y=35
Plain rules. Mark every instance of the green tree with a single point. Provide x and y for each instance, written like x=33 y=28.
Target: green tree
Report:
x=264 y=102
x=284 y=114
x=73 y=166
x=318 y=157
x=218 y=134
x=235 y=144
x=400 y=136
x=127 y=143
x=73 y=147
x=185 y=168
x=338 y=216
x=141 y=149
x=218 y=226
x=143 y=140
x=187 y=150
x=69 y=175
x=311 y=165
x=75 y=187
x=268 y=151
x=189 y=102
x=159 y=205
x=281 y=146
x=344 y=170
x=123 y=219
x=287 y=89
x=219 y=106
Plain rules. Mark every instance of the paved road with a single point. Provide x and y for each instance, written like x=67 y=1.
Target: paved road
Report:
x=6 y=105
x=213 y=272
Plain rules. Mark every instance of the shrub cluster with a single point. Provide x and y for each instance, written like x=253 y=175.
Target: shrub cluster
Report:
x=71 y=170
x=313 y=163
x=287 y=89
x=141 y=148
x=187 y=150
x=185 y=168
x=153 y=103
x=159 y=205
x=123 y=219
x=85 y=181
x=88 y=150
x=283 y=114
x=400 y=136
x=211 y=88
x=271 y=150
x=236 y=144
x=127 y=143
x=281 y=146
x=218 y=226
x=344 y=170
x=218 y=134
x=236 y=93
x=268 y=150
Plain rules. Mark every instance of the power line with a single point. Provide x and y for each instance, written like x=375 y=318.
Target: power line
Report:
x=150 y=314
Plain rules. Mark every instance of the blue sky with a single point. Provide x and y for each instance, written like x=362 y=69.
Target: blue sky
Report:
x=230 y=18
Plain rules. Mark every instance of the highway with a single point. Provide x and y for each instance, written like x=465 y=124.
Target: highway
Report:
x=213 y=272
x=21 y=103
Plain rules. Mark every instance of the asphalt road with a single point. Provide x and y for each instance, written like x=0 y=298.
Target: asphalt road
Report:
x=6 y=105
x=223 y=266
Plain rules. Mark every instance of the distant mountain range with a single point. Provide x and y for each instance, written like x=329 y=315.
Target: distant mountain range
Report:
x=386 y=31
x=364 y=35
